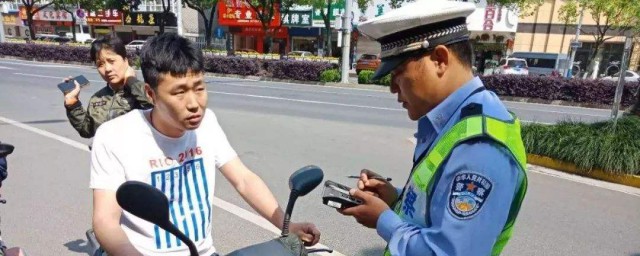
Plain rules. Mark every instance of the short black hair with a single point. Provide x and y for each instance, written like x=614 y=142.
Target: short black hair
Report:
x=463 y=51
x=169 y=53
x=108 y=42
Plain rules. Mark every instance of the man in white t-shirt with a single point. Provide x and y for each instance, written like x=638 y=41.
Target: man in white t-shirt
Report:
x=175 y=147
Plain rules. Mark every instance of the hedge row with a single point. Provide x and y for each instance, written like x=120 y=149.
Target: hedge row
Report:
x=281 y=69
x=599 y=92
x=548 y=88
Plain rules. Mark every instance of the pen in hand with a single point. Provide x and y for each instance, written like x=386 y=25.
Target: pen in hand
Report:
x=376 y=177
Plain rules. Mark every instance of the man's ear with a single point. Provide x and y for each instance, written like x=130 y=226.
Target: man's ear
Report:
x=151 y=94
x=441 y=55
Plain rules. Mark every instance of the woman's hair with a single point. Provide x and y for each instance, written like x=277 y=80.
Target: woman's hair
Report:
x=112 y=43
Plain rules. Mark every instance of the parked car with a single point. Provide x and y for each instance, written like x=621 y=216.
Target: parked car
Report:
x=299 y=54
x=629 y=76
x=512 y=66
x=134 y=45
x=367 y=62
x=544 y=64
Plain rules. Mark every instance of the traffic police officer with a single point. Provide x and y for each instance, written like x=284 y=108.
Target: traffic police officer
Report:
x=468 y=181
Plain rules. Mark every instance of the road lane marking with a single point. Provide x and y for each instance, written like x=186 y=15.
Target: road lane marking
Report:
x=222 y=204
x=298 y=90
x=57 y=77
x=305 y=101
x=43 y=64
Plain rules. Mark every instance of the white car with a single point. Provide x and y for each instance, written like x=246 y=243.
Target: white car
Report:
x=629 y=76
x=134 y=45
x=512 y=66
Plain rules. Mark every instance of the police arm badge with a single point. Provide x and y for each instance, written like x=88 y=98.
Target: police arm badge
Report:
x=467 y=195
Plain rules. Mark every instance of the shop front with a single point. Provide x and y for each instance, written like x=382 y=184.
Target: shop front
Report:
x=102 y=22
x=13 y=27
x=303 y=37
x=492 y=32
x=49 y=21
x=142 y=25
x=246 y=29
x=249 y=39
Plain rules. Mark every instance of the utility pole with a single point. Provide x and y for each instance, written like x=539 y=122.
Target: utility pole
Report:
x=178 y=5
x=1 y=24
x=575 y=44
x=81 y=19
x=346 y=45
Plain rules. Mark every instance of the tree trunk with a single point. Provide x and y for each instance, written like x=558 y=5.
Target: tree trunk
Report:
x=207 y=32
x=594 y=64
x=163 y=20
x=73 y=27
x=635 y=109
x=32 y=32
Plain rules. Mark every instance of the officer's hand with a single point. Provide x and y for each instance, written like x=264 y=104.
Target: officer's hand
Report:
x=377 y=187
x=72 y=97
x=369 y=211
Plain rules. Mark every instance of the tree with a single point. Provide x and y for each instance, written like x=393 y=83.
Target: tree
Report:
x=70 y=5
x=201 y=6
x=326 y=9
x=32 y=7
x=612 y=17
x=266 y=11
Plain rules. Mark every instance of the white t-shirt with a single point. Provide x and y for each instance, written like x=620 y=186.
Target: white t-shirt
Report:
x=129 y=148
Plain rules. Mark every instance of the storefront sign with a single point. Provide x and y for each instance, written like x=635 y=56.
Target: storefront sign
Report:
x=149 y=19
x=9 y=19
x=240 y=13
x=492 y=18
x=47 y=14
x=113 y=17
x=337 y=8
x=297 y=19
x=280 y=33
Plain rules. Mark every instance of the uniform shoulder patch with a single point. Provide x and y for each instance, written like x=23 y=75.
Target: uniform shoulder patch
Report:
x=468 y=193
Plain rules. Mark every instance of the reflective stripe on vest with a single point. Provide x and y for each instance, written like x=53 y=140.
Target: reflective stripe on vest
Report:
x=506 y=133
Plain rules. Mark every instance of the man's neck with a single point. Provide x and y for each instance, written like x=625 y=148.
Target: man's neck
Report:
x=164 y=128
x=456 y=78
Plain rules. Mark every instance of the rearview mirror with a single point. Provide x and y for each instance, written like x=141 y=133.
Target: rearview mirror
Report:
x=305 y=179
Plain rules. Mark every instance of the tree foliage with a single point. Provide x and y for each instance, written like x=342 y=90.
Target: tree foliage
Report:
x=612 y=18
x=207 y=10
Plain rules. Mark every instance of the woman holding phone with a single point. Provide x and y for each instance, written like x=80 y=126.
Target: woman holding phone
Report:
x=122 y=93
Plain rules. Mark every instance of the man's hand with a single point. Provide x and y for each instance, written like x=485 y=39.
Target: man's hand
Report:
x=377 y=187
x=72 y=97
x=369 y=211
x=307 y=232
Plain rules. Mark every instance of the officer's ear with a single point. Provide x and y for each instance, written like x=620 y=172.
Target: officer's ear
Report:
x=151 y=94
x=440 y=56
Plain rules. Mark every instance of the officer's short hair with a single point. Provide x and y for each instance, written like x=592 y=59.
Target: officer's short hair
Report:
x=463 y=52
x=169 y=53
x=109 y=42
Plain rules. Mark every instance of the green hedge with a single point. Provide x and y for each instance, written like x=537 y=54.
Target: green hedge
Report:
x=589 y=146
x=330 y=75
x=365 y=77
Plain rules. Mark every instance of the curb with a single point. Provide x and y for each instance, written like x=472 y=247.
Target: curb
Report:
x=622 y=179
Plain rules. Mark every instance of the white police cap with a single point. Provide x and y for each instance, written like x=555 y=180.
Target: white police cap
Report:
x=415 y=28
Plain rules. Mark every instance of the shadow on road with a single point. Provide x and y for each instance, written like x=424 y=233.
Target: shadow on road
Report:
x=635 y=254
x=43 y=121
x=372 y=251
x=79 y=245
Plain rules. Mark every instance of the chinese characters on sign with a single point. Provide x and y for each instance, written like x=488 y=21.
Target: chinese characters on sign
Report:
x=47 y=14
x=104 y=17
x=239 y=13
x=149 y=19
x=489 y=14
x=297 y=19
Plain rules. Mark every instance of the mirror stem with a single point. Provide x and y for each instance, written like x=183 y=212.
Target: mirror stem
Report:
x=287 y=214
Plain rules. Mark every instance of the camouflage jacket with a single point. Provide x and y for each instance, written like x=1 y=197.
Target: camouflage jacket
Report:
x=105 y=105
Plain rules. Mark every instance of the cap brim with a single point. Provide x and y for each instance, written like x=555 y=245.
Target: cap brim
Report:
x=387 y=65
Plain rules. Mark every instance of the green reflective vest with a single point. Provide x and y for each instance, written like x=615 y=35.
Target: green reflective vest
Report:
x=504 y=133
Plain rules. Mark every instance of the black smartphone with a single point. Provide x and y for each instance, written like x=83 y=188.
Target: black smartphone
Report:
x=68 y=86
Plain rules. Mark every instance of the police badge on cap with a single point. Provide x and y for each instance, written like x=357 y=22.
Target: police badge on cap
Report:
x=417 y=28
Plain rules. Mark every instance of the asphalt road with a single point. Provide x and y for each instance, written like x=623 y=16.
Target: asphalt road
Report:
x=277 y=128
